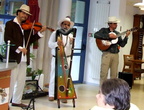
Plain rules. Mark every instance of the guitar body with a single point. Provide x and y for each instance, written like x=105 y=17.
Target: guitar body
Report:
x=105 y=44
x=101 y=45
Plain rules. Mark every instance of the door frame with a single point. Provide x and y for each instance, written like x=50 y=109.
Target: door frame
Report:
x=84 y=40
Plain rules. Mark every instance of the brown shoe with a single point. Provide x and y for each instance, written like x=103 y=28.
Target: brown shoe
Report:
x=19 y=105
x=51 y=98
x=46 y=85
x=64 y=101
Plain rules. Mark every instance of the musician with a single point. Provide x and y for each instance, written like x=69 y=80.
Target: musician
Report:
x=64 y=24
x=20 y=52
x=110 y=57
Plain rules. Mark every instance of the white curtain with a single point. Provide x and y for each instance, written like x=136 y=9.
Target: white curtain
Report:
x=48 y=17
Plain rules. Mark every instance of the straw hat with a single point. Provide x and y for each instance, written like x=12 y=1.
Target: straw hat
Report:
x=25 y=8
x=113 y=19
x=66 y=19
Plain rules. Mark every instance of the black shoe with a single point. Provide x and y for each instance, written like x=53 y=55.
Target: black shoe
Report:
x=19 y=105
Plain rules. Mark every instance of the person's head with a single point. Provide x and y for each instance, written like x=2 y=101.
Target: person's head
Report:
x=114 y=93
x=23 y=12
x=66 y=23
x=112 y=22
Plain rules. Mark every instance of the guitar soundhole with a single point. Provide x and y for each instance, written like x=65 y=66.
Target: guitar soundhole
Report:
x=66 y=67
x=61 y=88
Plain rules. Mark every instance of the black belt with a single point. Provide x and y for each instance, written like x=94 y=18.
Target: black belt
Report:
x=66 y=56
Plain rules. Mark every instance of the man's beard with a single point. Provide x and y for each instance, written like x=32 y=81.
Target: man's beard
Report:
x=23 y=20
x=65 y=29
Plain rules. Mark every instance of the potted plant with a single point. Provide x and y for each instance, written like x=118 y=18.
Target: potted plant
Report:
x=33 y=73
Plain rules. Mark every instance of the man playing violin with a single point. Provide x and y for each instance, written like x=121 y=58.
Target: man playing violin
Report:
x=20 y=52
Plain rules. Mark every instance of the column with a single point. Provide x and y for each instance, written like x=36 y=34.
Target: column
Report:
x=64 y=9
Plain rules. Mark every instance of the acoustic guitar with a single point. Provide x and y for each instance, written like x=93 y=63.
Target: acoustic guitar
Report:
x=105 y=44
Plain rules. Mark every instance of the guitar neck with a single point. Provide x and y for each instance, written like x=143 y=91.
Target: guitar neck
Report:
x=118 y=35
x=132 y=29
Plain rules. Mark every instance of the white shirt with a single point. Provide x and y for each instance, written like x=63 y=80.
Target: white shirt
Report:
x=66 y=41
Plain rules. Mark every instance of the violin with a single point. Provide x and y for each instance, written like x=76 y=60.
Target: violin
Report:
x=36 y=26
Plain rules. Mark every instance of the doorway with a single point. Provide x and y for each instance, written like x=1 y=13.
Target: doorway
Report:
x=80 y=13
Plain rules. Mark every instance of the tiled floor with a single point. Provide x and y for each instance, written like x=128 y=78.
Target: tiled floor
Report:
x=86 y=98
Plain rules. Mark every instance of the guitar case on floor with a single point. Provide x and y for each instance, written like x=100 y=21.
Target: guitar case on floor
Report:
x=128 y=77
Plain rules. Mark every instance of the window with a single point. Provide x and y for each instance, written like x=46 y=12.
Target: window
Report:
x=8 y=9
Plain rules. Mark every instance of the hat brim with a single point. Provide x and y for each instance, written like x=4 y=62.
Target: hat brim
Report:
x=113 y=22
x=71 y=23
x=25 y=12
x=116 y=21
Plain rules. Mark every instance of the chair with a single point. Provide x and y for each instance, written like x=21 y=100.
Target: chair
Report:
x=128 y=66
x=127 y=63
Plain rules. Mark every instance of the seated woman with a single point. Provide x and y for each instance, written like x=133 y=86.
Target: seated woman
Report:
x=114 y=94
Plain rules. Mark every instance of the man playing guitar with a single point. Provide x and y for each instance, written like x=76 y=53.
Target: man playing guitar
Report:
x=111 y=41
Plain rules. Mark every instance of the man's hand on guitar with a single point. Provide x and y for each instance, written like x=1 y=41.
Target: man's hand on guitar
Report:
x=128 y=33
x=112 y=35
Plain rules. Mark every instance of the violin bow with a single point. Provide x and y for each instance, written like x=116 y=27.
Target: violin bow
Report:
x=30 y=34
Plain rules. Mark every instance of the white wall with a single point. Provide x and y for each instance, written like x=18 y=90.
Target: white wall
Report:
x=122 y=10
